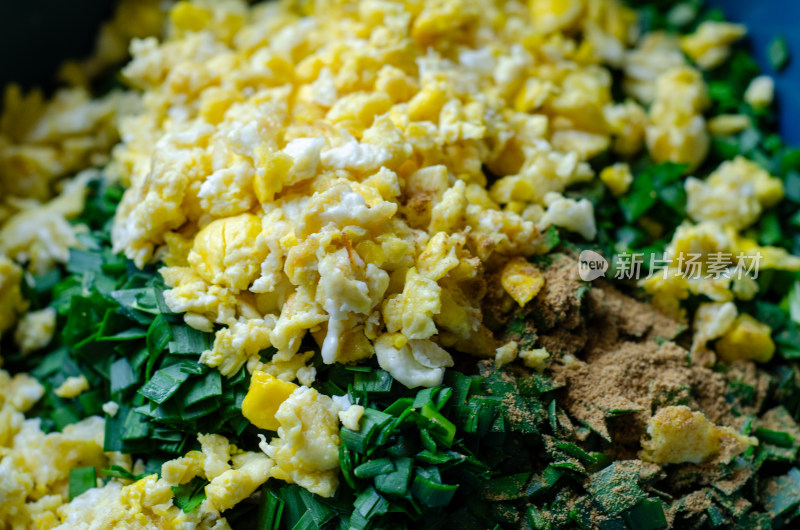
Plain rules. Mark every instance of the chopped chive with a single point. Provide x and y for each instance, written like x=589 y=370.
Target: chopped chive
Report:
x=371 y=423
x=270 y=510
x=189 y=341
x=370 y=503
x=396 y=481
x=442 y=428
x=208 y=386
x=374 y=467
x=82 y=261
x=163 y=384
x=158 y=336
x=122 y=376
x=782 y=439
x=432 y=494
x=81 y=479
x=782 y=493
x=188 y=496
x=424 y=397
x=121 y=472
x=399 y=407
x=506 y=488
x=778 y=53
x=373 y=382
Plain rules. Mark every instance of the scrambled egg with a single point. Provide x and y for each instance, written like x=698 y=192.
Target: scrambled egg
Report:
x=760 y=92
x=748 y=339
x=265 y=396
x=712 y=258
x=522 y=280
x=72 y=387
x=677 y=131
x=35 y=329
x=11 y=301
x=43 y=141
x=324 y=174
x=34 y=466
x=535 y=358
x=322 y=170
x=131 y=19
x=233 y=475
x=704 y=259
x=709 y=46
x=351 y=417
x=735 y=194
x=617 y=178
x=306 y=451
x=678 y=435
x=711 y=321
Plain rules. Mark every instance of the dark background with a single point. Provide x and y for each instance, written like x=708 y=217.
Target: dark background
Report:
x=38 y=34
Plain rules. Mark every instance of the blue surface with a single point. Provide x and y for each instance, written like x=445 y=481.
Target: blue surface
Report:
x=766 y=19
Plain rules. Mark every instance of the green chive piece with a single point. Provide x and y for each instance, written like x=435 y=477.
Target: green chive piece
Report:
x=397 y=481
x=778 y=53
x=270 y=510
x=189 y=496
x=442 y=428
x=432 y=494
x=782 y=494
x=374 y=467
x=81 y=479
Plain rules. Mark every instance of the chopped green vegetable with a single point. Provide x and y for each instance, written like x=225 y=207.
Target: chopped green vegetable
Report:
x=778 y=53
x=782 y=494
x=81 y=479
x=188 y=496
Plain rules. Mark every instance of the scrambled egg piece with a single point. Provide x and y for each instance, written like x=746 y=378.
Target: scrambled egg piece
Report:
x=735 y=194
x=11 y=301
x=728 y=124
x=234 y=485
x=617 y=178
x=711 y=321
x=111 y=408
x=306 y=451
x=522 y=280
x=40 y=235
x=710 y=44
x=748 y=339
x=299 y=179
x=265 y=396
x=760 y=92
x=505 y=354
x=677 y=131
x=415 y=362
x=34 y=467
x=148 y=503
x=131 y=19
x=678 y=435
x=35 y=329
x=351 y=417
x=575 y=216
x=41 y=142
x=535 y=358
x=72 y=387
x=655 y=54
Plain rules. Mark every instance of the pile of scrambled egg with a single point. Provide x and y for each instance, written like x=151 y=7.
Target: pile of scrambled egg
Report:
x=352 y=170
x=356 y=175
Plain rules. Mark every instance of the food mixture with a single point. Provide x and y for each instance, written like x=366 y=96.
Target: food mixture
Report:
x=321 y=264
